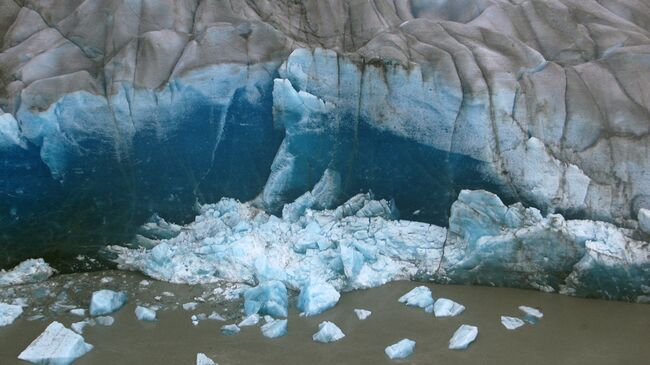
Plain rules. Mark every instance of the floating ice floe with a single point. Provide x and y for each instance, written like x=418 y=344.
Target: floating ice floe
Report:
x=328 y=332
x=401 y=349
x=444 y=307
x=317 y=297
x=28 y=271
x=80 y=312
x=267 y=298
x=190 y=306
x=511 y=323
x=214 y=316
x=251 y=320
x=418 y=297
x=230 y=329
x=463 y=337
x=57 y=345
x=530 y=311
x=362 y=314
x=202 y=359
x=106 y=302
x=145 y=314
x=9 y=313
x=105 y=320
x=275 y=328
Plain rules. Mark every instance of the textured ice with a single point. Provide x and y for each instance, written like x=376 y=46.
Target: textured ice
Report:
x=106 y=302
x=230 y=329
x=9 y=313
x=362 y=314
x=145 y=314
x=418 y=297
x=267 y=298
x=444 y=307
x=328 y=332
x=400 y=350
x=275 y=328
x=317 y=297
x=28 y=271
x=463 y=337
x=202 y=359
x=511 y=323
x=251 y=320
x=57 y=345
x=533 y=312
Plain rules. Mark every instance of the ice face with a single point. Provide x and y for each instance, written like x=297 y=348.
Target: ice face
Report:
x=57 y=345
x=106 y=302
x=444 y=307
x=328 y=332
x=316 y=298
x=9 y=313
x=29 y=271
x=275 y=328
x=202 y=359
x=463 y=337
x=230 y=329
x=267 y=298
x=362 y=314
x=418 y=297
x=511 y=323
x=145 y=314
x=400 y=350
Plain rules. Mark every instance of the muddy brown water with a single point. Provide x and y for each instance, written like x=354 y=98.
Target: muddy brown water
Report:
x=573 y=331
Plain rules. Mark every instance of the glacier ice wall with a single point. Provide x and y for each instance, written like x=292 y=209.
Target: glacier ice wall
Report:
x=116 y=110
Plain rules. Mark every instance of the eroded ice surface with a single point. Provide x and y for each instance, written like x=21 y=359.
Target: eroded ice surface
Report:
x=511 y=323
x=317 y=297
x=418 y=297
x=202 y=359
x=401 y=349
x=57 y=345
x=9 y=313
x=362 y=314
x=444 y=307
x=145 y=314
x=328 y=332
x=28 y=271
x=275 y=328
x=463 y=337
x=106 y=302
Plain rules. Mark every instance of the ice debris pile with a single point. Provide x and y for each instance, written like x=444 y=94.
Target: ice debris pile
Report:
x=28 y=271
x=57 y=345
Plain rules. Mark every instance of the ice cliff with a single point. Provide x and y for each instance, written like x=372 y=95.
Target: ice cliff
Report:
x=116 y=110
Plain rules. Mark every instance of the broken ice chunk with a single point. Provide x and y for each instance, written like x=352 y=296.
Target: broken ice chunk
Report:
x=463 y=336
x=57 y=345
x=190 y=306
x=267 y=298
x=251 y=320
x=216 y=317
x=78 y=312
x=106 y=302
x=328 y=332
x=230 y=329
x=145 y=314
x=362 y=314
x=531 y=311
x=201 y=359
x=316 y=298
x=9 y=313
x=418 y=297
x=28 y=271
x=105 y=320
x=511 y=323
x=444 y=307
x=275 y=328
x=79 y=326
x=401 y=349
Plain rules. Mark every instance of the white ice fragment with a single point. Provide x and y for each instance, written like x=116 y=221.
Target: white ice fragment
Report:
x=463 y=337
x=168 y=294
x=316 y=298
x=362 y=314
x=230 y=329
x=216 y=317
x=401 y=349
x=251 y=320
x=9 y=313
x=106 y=280
x=28 y=271
x=444 y=307
x=328 y=332
x=418 y=297
x=145 y=283
x=80 y=312
x=106 y=302
x=105 y=320
x=531 y=311
x=275 y=328
x=79 y=326
x=190 y=306
x=202 y=359
x=511 y=323
x=145 y=314
x=57 y=345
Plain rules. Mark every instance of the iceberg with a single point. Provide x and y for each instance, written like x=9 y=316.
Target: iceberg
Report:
x=328 y=332
x=106 y=302
x=463 y=337
x=230 y=329
x=214 y=316
x=316 y=298
x=145 y=314
x=511 y=323
x=362 y=314
x=267 y=298
x=275 y=328
x=202 y=359
x=9 y=313
x=251 y=320
x=418 y=297
x=28 y=271
x=401 y=349
x=444 y=307
x=57 y=345
x=530 y=311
